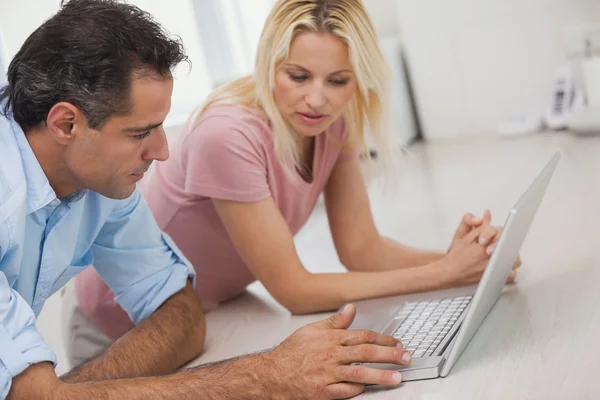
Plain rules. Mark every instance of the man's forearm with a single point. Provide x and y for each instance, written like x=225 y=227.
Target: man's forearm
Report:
x=246 y=377
x=386 y=254
x=232 y=379
x=165 y=341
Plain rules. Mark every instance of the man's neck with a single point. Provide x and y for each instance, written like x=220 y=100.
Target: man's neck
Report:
x=49 y=155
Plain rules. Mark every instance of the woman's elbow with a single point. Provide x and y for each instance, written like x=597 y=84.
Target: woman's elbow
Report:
x=296 y=299
x=301 y=309
x=352 y=262
x=296 y=305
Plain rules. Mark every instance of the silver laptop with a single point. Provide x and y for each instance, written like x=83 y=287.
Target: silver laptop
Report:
x=437 y=326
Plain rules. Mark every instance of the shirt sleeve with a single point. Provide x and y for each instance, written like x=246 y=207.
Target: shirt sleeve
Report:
x=21 y=345
x=141 y=264
x=223 y=158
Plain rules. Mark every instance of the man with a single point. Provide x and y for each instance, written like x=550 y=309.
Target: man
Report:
x=81 y=122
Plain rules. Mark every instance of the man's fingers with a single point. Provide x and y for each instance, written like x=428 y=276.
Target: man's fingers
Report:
x=356 y=337
x=340 y=320
x=370 y=353
x=343 y=390
x=366 y=375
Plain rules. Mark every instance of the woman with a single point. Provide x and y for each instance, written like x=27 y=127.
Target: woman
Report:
x=252 y=162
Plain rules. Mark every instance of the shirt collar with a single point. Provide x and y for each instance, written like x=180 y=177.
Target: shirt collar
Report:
x=39 y=191
x=76 y=195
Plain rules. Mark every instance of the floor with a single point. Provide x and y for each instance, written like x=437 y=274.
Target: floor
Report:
x=435 y=183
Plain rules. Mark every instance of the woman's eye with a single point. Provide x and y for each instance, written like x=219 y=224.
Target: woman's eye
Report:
x=339 y=82
x=298 y=78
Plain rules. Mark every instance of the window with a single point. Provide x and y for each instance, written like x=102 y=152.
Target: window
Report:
x=230 y=30
x=191 y=86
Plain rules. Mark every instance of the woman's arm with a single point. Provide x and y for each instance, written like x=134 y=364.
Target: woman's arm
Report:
x=395 y=255
x=264 y=241
x=358 y=243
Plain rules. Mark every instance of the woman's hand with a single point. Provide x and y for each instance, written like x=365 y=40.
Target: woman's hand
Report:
x=487 y=238
x=466 y=259
x=470 y=222
x=490 y=250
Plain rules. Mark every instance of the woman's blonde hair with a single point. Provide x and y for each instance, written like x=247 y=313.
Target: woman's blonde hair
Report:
x=346 y=19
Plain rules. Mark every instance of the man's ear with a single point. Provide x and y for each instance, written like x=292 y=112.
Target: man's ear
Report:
x=65 y=121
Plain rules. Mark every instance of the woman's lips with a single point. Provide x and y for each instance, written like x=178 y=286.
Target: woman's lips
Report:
x=312 y=119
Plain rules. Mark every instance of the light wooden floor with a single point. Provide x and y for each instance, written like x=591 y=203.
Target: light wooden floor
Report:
x=421 y=204
x=541 y=339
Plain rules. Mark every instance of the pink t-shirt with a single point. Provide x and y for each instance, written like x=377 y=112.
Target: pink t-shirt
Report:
x=228 y=153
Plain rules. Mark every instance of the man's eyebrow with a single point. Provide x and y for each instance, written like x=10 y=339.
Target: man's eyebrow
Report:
x=143 y=128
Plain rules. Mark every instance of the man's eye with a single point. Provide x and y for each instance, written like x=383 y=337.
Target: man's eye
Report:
x=142 y=136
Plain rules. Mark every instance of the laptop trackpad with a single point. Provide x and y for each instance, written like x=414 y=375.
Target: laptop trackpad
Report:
x=416 y=363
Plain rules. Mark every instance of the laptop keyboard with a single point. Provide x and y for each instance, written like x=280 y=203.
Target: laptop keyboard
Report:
x=426 y=323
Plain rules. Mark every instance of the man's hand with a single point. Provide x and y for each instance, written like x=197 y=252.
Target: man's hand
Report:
x=316 y=362
x=319 y=360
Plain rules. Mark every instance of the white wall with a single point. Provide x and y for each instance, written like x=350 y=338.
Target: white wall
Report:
x=19 y=18
x=472 y=62
x=3 y=59
x=383 y=13
x=476 y=62
x=191 y=86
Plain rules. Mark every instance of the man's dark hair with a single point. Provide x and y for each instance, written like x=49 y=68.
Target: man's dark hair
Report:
x=87 y=55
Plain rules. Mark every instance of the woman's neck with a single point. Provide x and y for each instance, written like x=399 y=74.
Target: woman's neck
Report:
x=306 y=154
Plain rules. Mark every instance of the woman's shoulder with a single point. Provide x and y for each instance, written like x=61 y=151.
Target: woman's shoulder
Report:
x=228 y=126
x=231 y=116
